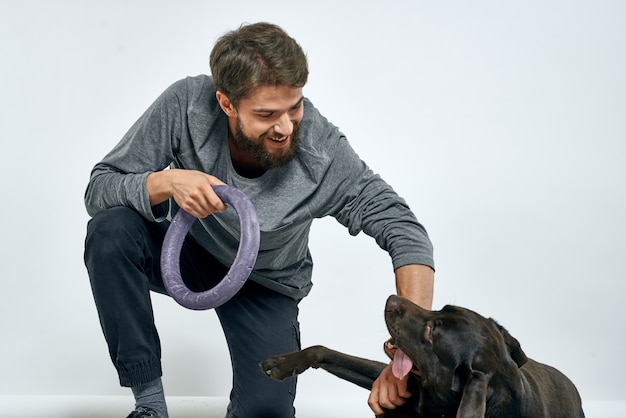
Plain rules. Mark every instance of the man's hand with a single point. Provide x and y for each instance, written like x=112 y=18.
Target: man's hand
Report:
x=388 y=392
x=192 y=190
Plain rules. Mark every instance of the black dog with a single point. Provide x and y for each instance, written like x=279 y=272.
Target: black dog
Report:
x=461 y=364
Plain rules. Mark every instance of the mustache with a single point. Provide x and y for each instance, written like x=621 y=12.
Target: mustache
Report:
x=294 y=133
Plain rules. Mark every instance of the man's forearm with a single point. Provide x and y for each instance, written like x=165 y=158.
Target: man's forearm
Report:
x=416 y=282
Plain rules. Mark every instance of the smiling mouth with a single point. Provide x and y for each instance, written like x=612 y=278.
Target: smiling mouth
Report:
x=277 y=139
x=278 y=142
x=402 y=365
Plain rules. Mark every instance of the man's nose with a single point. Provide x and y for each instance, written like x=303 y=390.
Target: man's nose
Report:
x=284 y=125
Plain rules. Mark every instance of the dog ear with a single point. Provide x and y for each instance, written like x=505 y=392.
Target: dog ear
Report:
x=459 y=378
x=513 y=346
x=474 y=398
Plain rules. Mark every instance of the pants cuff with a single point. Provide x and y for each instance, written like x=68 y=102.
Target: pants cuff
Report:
x=139 y=374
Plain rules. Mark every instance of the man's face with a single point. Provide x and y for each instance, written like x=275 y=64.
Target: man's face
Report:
x=267 y=123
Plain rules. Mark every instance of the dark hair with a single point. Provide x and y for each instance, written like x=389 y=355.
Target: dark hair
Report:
x=255 y=55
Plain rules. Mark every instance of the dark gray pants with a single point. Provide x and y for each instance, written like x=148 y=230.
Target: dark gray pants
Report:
x=122 y=255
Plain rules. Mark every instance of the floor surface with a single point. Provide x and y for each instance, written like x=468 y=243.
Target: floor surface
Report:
x=198 y=407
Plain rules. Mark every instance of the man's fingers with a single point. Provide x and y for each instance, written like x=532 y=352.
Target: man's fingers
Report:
x=203 y=202
x=403 y=392
x=215 y=203
x=214 y=200
x=372 y=401
x=388 y=392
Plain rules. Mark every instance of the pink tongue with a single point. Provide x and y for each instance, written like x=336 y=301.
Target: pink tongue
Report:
x=402 y=365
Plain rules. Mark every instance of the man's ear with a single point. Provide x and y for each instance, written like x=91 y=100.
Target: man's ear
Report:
x=227 y=106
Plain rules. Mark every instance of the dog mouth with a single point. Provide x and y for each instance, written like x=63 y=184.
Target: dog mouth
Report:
x=401 y=364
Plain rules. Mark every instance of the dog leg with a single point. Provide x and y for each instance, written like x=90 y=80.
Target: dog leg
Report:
x=359 y=371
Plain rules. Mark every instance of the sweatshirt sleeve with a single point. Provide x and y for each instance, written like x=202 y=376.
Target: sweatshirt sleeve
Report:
x=363 y=201
x=120 y=178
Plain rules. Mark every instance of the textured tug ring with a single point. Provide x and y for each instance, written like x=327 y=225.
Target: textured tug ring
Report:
x=238 y=272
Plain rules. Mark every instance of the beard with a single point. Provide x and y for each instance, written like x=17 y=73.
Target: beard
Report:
x=258 y=151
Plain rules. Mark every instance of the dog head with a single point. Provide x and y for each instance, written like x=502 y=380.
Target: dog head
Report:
x=452 y=352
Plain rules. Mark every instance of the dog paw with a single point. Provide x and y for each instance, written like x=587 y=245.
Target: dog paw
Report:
x=280 y=367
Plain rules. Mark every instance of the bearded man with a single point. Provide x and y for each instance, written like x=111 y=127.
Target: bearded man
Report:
x=247 y=125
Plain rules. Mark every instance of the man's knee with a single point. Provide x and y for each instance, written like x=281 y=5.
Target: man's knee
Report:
x=111 y=225
x=110 y=233
x=112 y=221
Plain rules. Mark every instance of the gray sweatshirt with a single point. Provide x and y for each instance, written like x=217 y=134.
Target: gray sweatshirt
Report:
x=185 y=128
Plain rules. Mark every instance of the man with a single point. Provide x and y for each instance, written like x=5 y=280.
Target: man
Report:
x=249 y=126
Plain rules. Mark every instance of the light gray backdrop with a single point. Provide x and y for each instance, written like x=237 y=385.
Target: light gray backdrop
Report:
x=503 y=124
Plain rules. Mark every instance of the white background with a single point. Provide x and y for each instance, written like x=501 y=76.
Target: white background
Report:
x=503 y=124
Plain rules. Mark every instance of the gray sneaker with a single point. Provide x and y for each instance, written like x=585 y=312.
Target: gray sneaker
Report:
x=142 y=412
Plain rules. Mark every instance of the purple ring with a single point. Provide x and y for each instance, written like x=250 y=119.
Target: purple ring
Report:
x=239 y=271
